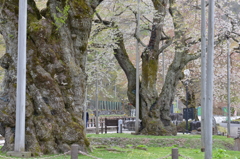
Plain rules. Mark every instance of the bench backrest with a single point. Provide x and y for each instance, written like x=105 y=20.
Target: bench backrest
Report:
x=111 y=122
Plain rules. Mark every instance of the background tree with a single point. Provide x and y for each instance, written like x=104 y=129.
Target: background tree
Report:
x=102 y=65
x=155 y=108
x=180 y=29
x=57 y=38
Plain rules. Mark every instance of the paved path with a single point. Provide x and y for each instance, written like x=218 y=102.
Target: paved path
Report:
x=2 y=142
x=231 y=125
x=233 y=128
x=219 y=119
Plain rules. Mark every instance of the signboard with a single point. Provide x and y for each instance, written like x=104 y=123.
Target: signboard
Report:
x=188 y=113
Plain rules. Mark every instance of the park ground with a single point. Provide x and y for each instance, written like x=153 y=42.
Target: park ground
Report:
x=128 y=146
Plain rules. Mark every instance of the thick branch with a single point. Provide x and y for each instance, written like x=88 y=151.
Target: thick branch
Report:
x=191 y=57
x=168 y=43
x=127 y=66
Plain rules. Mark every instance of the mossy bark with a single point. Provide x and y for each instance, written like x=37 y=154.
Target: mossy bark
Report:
x=56 y=78
x=154 y=107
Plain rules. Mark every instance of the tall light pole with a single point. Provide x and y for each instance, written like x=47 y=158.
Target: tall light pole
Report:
x=203 y=72
x=21 y=78
x=163 y=66
x=137 y=72
x=209 y=82
x=187 y=73
x=96 y=103
x=228 y=88
x=19 y=142
x=187 y=106
x=85 y=112
x=85 y=107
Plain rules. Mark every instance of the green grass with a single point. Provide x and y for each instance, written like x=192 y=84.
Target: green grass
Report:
x=180 y=136
x=189 y=144
x=156 y=152
x=128 y=147
x=236 y=119
x=151 y=153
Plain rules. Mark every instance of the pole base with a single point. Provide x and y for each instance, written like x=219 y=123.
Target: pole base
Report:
x=19 y=154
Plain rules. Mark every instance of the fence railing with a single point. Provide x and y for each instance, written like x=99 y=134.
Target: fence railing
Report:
x=101 y=120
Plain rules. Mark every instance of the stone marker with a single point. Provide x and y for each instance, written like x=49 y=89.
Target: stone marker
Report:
x=237 y=144
x=74 y=151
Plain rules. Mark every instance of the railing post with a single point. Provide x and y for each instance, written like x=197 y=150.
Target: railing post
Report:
x=105 y=125
x=121 y=128
x=102 y=127
x=90 y=122
x=175 y=153
x=74 y=151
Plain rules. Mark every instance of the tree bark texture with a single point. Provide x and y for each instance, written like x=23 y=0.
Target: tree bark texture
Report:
x=154 y=107
x=57 y=39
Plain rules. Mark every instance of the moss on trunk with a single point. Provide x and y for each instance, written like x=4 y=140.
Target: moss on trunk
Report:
x=56 y=78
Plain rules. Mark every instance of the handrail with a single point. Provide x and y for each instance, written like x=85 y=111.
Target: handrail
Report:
x=92 y=120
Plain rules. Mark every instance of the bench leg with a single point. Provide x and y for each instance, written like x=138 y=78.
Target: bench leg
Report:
x=102 y=128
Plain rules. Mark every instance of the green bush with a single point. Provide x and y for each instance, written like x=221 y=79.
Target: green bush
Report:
x=182 y=126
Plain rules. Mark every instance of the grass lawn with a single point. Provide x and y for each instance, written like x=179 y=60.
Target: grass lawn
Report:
x=185 y=143
x=151 y=153
x=150 y=150
x=179 y=136
x=157 y=152
x=181 y=141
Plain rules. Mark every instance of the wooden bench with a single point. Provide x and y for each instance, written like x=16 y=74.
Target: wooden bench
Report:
x=111 y=122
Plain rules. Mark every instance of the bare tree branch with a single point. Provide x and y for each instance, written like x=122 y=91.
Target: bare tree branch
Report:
x=167 y=44
x=135 y=34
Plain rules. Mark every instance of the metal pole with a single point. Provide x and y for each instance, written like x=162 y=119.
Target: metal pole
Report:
x=228 y=88
x=97 y=130
x=163 y=71
x=84 y=112
x=186 y=106
x=177 y=103
x=137 y=73
x=115 y=91
x=209 y=83
x=19 y=145
x=203 y=73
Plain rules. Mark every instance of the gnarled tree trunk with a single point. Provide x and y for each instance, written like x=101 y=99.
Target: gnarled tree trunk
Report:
x=56 y=80
x=154 y=107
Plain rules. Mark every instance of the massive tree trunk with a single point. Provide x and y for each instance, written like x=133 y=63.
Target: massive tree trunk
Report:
x=154 y=107
x=57 y=39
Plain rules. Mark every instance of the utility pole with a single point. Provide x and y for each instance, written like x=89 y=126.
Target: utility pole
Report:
x=163 y=66
x=137 y=72
x=203 y=72
x=19 y=142
x=85 y=112
x=187 y=73
x=187 y=106
x=209 y=82
x=21 y=78
x=228 y=89
x=96 y=103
